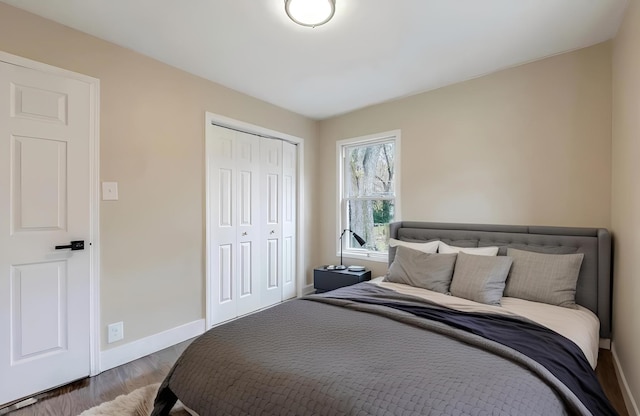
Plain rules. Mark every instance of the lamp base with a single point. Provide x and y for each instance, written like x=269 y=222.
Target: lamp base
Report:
x=341 y=267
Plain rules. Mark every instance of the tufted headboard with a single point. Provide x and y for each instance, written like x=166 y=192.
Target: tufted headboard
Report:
x=593 y=290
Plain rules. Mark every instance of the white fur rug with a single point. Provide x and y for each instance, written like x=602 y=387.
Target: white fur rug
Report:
x=137 y=403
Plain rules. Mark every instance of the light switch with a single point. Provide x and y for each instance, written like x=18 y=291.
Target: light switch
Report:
x=109 y=191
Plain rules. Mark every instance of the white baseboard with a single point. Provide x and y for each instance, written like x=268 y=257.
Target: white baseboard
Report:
x=605 y=343
x=123 y=354
x=629 y=401
x=308 y=289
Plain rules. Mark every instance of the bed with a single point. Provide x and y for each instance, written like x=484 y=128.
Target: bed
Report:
x=411 y=343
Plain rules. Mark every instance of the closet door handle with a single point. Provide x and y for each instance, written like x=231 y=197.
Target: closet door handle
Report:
x=272 y=232
x=244 y=233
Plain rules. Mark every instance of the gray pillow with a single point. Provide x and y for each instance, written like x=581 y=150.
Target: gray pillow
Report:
x=426 y=270
x=480 y=278
x=546 y=278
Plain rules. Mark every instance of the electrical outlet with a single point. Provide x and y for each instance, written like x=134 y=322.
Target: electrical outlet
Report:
x=115 y=332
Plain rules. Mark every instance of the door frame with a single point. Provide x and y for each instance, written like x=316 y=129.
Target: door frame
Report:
x=94 y=194
x=300 y=215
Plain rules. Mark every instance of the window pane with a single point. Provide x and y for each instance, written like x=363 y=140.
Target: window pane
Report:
x=370 y=220
x=369 y=170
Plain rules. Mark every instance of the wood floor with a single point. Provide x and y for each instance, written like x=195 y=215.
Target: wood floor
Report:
x=607 y=376
x=75 y=398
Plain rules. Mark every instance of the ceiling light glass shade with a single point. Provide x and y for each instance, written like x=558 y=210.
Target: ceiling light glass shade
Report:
x=310 y=12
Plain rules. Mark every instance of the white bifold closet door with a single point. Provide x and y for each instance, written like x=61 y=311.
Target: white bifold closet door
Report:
x=271 y=152
x=235 y=215
x=279 y=163
x=252 y=215
x=289 y=219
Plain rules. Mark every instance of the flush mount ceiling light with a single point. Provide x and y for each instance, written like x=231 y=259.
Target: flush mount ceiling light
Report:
x=310 y=13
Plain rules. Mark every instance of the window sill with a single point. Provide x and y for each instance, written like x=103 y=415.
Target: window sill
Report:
x=369 y=256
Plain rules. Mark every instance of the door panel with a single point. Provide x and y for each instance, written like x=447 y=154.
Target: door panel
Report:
x=289 y=219
x=273 y=263
x=39 y=307
x=225 y=261
x=226 y=198
x=38 y=164
x=271 y=152
x=45 y=127
x=288 y=254
x=246 y=199
x=273 y=200
x=248 y=230
x=38 y=104
x=246 y=269
x=222 y=208
x=234 y=201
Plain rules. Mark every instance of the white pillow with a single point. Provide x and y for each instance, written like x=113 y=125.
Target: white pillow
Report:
x=478 y=251
x=429 y=247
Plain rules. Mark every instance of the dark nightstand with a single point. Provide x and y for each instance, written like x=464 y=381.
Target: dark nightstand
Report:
x=325 y=280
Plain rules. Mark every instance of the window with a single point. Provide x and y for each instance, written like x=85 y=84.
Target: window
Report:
x=368 y=194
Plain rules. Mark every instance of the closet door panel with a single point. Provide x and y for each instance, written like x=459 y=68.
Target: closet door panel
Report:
x=225 y=192
x=225 y=273
x=222 y=208
x=245 y=271
x=273 y=199
x=271 y=277
x=289 y=219
x=248 y=227
x=273 y=263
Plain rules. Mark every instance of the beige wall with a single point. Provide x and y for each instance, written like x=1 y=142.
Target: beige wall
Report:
x=625 y=203
x=152 y=144
x=527 y=145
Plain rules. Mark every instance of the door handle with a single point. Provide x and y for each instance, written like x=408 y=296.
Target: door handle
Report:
x=75 y=245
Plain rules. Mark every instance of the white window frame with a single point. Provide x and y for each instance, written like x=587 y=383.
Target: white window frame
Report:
x=357 y=253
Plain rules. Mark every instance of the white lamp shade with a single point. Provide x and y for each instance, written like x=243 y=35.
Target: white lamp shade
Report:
x=310 y=12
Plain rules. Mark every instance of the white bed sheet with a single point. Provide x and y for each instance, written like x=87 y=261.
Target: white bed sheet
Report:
x=579 y=325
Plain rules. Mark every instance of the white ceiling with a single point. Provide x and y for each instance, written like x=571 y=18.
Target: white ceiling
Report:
x=372 y=51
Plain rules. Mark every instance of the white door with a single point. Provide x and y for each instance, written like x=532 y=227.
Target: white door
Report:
x=248 y=221
x=289 y=198
x=222 y=211
x=233 y=163
x=44 y=202
x=271 y=155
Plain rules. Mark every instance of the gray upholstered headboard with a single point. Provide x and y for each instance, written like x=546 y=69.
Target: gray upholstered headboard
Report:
x=593 y=290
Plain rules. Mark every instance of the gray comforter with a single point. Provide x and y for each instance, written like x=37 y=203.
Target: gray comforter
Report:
x=326 y=356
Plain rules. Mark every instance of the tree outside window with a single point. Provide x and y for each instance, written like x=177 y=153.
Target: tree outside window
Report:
x=369 y=192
